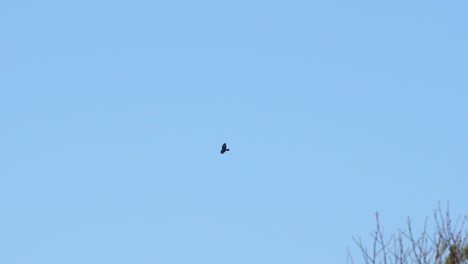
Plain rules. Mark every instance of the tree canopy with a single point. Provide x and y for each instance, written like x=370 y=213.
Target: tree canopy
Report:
x=446 y=244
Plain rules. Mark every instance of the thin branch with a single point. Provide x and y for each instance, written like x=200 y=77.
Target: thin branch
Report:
x=449 y=241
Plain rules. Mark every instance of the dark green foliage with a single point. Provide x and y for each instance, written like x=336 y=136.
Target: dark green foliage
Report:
x=457 y=255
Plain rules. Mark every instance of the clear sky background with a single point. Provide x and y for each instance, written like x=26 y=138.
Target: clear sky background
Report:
x=113 y=114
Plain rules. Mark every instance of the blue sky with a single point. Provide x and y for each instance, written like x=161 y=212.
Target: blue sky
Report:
x=113 y=114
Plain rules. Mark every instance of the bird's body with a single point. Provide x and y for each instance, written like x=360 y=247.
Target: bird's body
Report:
x=224 y=149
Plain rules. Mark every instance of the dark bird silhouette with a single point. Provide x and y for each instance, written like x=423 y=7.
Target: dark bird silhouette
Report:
x=224 y=149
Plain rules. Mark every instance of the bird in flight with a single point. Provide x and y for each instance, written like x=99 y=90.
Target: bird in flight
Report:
x=224 y=149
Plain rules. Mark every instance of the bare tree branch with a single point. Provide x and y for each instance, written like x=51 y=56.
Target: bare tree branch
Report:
x=448 y=244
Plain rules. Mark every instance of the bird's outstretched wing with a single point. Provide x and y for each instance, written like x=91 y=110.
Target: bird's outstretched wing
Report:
x=223 y=148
